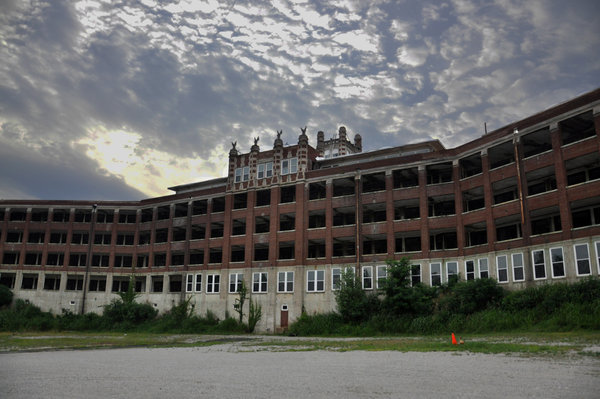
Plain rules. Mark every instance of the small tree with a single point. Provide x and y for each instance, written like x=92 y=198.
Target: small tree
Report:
x=254 y=315
x=401 y=297
x=353 y=303
x=238 y=306
x=6 y=295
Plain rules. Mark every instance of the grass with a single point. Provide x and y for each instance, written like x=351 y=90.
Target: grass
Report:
x=525 y=344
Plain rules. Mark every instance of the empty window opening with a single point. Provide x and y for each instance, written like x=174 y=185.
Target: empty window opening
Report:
x=77 y=260
x=181 y=210
x=74 y=283
x=263 y=198
x=175 y=283
x=470 y=166
x=179 y=234
x=317 y=190
x=316 y=249
x=475 y=234
x=585 y=212
x=10 y=258
x=177 y=259
x=373 y=182
x=583 y=169
x=125 y=239
x=144 y=237
x=105 y=216
x=343 y=186
x=375 y=244
x=157 y=283
x=288 y=194
x=196 y=257
x=536 y=142
x=344 y=216
x=405 y=178
x=147 y=215
x=442 y=205
x=439 y=173
x=505 y=190
x=238 y=253
x=99 y=260
x=200 y=207
x=120 y=284
x=52 y=282
x=55 y=259
x=29 y=281
x=545 y=220
x=33 y=258
x=508 y=228
x=79 y=238
x=102 y=238
x=59 y=215
x=18 y=215
x=240 y=201
x=36 y=237
x=373 y=213
x=127 y=217
x=38 y=215
x=215 y=255
x=541 y=180
x=163 y=212
x=218 y=204
x=238 y=227
x=262 y=224
x=83 y=216
x=501 y=155
x=143 y=261
x=286 y=250
x=407 y=209
x=97 y=284
x=216 y=229
x=287 y=222
x=440 y=240
x=160 y=259
x=577 y=128
x=409 y=241
x=316 y=219
x=14 y=236
x=161 y=235
x=198 y=232
x=261 y=252
x=473 y=199
x=344 y=246
x=58 y=238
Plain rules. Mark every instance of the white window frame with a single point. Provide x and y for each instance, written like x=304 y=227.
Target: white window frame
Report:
x=487 y=267
x=246 y=173
x=382 y=274
x=238 y=175
x=505 y=268
x=265 y=169
x=577 y=260
x=317 y=278
x=367 y=276
x=514 y=267
x=288 y=279
x=260 y=282
x=213 y=283
x=198 y=282
x=535 y=265
x=455 y=263
x=289 y=166
x=189 y=283
x=260 y=171
x=339 y=273
x=238 y=277
x=467 y=273
x=438 y=273
x=552 y=262
x=413 y=275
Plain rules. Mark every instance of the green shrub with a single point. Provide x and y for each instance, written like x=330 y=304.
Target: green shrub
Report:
x=353 y=303
x=126 y=315
x=6 y=296
x=317 y=324
x=468 y=297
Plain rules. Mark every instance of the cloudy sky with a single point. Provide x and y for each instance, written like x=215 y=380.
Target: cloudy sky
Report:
x=119 y=100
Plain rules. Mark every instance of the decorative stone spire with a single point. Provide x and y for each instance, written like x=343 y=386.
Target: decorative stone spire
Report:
x=278 y=142
x=303 y=139
x=358 y=142
x=255 y=147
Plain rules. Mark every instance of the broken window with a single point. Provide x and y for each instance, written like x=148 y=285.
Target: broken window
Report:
x=374 y=244
x=545 y=220
x=144 y=237
x=18 y=215
x=147 y=215
x=577 y=128
x=441 y=205
x=161 y=235
x=60 y=215
x=143 y=260
x=344 y=246
x=163 y=212
x=316 y=219
x=58 y=238
x=541 y=180
x=344 y=216
x=343 y=186
x=196 y=257
x=373 y=182
x=179 y=234
x=10 y=258
x=125 y=239
x=36 y=237
x=215 y=255
x=123 y=261
x=216 y=229
x=475 y=234
x=29 y=281
x=261 y=251
x=198 y=231
x=55 y=259
x=286 y=250
x=83 y=215
x=200 y=207
x=405 y=178
x=238 y=253
x=505 y=190
x=536 y=142
x=409 y=241
x=317 y=190
x=157 y=283
x=14 y=236
x=316 y=249
x=239 y=227
x=97 y=284
x=439 y=173
x=473 y=199
x=127 y=217
x=373 y=213
x=240 y=201
x=407 y=209
x=439 y=240
x=52 y=282
x=74 y=283
x=160 y=259
x=99 y=260
x=39 y=215
x=501 y=155
x=77 y=259
x=102 y=238
x=33 y=258
x=288 y=194
x=583 y=169
x=181 y=210
x=79 y=238
x=508 y=228
x=287 y=221
x=261 y=224
x=585 y=212
x=175 y=283
x=263 y=198
x=120 y=284
x=470 y=166
x=105 y=216
x=218 y=204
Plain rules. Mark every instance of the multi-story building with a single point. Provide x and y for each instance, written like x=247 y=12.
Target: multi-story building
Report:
x=520 y=204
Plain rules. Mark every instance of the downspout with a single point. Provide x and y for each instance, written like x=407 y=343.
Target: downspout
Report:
x=88 y=259
x=357 y=202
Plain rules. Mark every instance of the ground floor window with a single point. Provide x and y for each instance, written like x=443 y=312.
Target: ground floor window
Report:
x=29 y=282
x=518 y=267
x=52 y=282
x=259 y=282
x=451 y=270
x=367 y=277
x=315 y=280
x=212 y=283
x=539 y=264
x=435 y=270
x=582 y=258
x=502 y=268
x=415 y=274
x=235 y=282
x=558 y=262
x=74 y=283
x=381 y=276
x=470 y=270
x=97 y=284
x=285 y=282
x=484 y=271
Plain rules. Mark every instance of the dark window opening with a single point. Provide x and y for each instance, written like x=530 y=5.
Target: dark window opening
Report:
x=261 y=252
x=123 y=261
x=344 y=216
x=147 y=215
x=439 y=173
x=10 y=258
x=8 y=280
x=179 y=234
x=473 y=199
x=288 y=194
x=125 y=239
x=240 y=201
x=127 y=217
x=59 y=215
x=198 y=232
x=14 y=236
x=215 y=255
x=238 y=253
x=18 y=215
x=536 y=142
x=577 y=128
x=505 y=190
x=52 y=282
x=144 y=238
x=218 y=204
x=343 y=186
x=77 y=259
x=105 y=216
x=582 y=169
x=83 y=216
x=181 y=210
x=286 y=250
x=29 y=282
x=98 y=260
x=177 y=259
x=502 y=154
x=373 y=213
x=373 y=182
x=344 y=247
x=196 y=257
x=407 y=209
x=261 y=224
x=408 y=242
x=405 y=178
x=317 y=190
x=287 y=222
x=316 y=249
x=374 y=245
x=475 y=234
x=33 y=258
x=157 y=283
x=160 y=260
x=541 y=180
x=175 y=283
x=547 y=224
x=216 y=229
x=97 y=284
x=263 y=198
x=443 y=240
x=39 y=215
x=316 y=219
x=143 y=261
x=585 y=212
x=163 y=212
x=162 y=235
x=36 y=237
x=470 y=166
x=200 y=207
x=508 y=232
x=74 y=283
x=441 y=206
x=239 y=227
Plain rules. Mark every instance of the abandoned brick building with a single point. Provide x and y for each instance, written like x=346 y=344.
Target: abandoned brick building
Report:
x=520 y=204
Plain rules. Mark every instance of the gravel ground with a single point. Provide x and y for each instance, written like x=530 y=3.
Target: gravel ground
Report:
x=232 y=371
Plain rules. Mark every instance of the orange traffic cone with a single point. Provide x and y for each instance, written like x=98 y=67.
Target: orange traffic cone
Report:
x=454 y=340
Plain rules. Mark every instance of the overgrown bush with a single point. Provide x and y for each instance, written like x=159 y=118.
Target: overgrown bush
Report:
x=353 y=303
x=401 y=298
x=468 y=297
x=6 y=296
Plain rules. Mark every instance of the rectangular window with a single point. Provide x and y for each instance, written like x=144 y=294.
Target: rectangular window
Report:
x=436 y=274
x=97 y=283
x=285 y=282
x=235 y=282
x=451 y=270
x=198 y=282
x=259 y=282
x=367 y=277
x=52 y=282
x=246 y=173
x=598 y=255
x=212 y=283
x=558 y=262
x=582 y=258
x=289 y=166
x=518 y=267
x=539 y=264
x=381 y=276
x=261 y=171
x=415 y=275
x=315 y=281
x=336 y=276
x=77 y=259
x=74 y=283
x=470 y=270
x=502 y=268
x=189 y=283
x=484 y=271
x=269 y=169
x=238 y=175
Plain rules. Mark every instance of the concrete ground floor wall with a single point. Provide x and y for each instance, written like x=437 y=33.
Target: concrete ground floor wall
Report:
x=285 y=292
